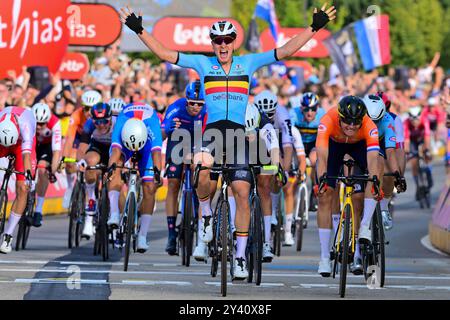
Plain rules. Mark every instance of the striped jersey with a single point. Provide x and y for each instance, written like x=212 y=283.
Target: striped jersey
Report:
x=226 y=95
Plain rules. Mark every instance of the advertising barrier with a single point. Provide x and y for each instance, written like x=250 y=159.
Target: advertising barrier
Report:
x=32 y=33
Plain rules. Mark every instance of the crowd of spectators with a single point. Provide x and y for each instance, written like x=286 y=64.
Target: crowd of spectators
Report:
x=114 y=74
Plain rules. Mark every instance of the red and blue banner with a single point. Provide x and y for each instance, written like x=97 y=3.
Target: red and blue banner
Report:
x=372 y=36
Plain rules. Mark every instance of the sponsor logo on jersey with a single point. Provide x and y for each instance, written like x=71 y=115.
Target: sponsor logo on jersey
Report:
x=322 y=128
x=238 y=67
x=215 y=67
x=373 y=133
x=393 y=139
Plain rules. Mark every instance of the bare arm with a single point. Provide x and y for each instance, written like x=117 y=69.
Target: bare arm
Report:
x=154 y=45
x=322 y=160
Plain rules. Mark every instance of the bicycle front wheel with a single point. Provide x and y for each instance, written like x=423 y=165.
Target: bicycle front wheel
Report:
x=104 y=239
x=187 y=228
x=300 y=218
x=345 y=251
x=378 y=243
x=224 y=211
x=129 y=228
x=258 y=240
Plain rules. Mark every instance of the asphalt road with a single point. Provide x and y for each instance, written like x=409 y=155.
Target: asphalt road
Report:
x=48 y=270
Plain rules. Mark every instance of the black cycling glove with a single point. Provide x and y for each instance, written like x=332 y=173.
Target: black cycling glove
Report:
x=320 y=19
x=134 y=23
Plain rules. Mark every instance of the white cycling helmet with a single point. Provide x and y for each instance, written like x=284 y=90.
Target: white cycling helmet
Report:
x=252 y=118
x=375 y=106
x=134 y=134
x=222 y=28
x=415 y=112
x=91 y=98
x=116 y=105
x=267 y=102
x=42 y=112
x=9 y=130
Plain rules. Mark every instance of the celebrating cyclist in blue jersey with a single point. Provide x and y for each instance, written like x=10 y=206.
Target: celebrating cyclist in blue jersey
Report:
x=182 y=114
x=226 y=81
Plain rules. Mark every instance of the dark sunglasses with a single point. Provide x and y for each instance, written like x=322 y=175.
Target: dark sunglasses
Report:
x=220 y=39
x=41 y=124
x=101 y=121
x=86 y=109
x=306 y=109
x=351 y=122
x=193 y=103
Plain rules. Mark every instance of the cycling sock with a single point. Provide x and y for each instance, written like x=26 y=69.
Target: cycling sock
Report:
x=39 y=204
x=232 y=203
x=146 y=220
x=289 y=219
x=70 y=179
x=14 y=219
x=90 y=190
x=369 y=208
x=267 y=228
x=241 y=245
x=324 y=237
x=335 y=218
x=205 y=206
x=114 y=201
x=88 y=219
x=171 y=221
x=384 y=204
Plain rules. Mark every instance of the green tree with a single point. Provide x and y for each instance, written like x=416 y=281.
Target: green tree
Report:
x=430 y=18
x=407 y=41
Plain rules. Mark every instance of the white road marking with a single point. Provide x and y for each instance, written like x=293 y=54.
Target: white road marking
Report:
x=196 y=273
x=95 y=281
x=425 y=241
x=361 y=286
x=244 y=283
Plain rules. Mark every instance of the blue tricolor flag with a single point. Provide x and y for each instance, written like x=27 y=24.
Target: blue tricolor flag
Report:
x=265 y=9
x=372 y=36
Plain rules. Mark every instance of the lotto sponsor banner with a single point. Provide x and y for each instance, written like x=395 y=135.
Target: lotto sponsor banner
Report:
x=74 y=66
x=190 y=34
x=93 y=24
x=32 y=33
x=314 y=48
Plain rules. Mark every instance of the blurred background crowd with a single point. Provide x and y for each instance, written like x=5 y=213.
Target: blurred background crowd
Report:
x=115 y=74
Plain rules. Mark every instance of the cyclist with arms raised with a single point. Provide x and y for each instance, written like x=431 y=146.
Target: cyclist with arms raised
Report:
x=226 y=81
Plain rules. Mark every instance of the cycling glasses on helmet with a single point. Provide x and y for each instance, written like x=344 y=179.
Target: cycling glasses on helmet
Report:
x=220 y=39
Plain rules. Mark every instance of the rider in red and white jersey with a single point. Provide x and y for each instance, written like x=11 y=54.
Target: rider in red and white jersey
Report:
x=48 y=152
x=17 y=138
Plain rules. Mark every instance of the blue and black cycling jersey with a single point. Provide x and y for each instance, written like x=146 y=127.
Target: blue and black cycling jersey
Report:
x=226 y=95
x=308 y=130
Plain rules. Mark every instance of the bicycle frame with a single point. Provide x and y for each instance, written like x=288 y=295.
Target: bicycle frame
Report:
x=347 y=201
x=132 y=189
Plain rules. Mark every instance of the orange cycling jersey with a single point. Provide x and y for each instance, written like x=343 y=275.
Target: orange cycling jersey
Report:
x=77 y=121
x=329 y=128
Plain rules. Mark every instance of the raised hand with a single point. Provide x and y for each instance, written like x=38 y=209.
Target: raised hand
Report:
x=133 y=22
x=322 y=17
